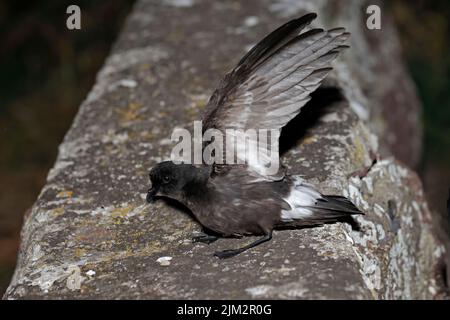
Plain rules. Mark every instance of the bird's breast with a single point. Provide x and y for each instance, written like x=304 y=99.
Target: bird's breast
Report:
x=239 y=215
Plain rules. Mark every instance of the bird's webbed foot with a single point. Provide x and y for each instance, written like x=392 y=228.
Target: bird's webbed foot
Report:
x=231 y=253
x=227 y=253
x=205 y=238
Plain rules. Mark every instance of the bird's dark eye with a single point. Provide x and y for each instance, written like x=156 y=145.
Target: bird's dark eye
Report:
x=166 y=179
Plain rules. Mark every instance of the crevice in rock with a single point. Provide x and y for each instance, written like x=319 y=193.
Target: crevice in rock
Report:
x=352 y=222
x=296 y=129
x=442 y=270
x=392 y=213
x=364 y=172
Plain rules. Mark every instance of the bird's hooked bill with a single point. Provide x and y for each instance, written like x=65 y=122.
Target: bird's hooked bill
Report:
x=151 y=193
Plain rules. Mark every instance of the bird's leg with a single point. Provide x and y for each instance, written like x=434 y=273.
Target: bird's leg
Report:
x=231 y=253
x=205 y=238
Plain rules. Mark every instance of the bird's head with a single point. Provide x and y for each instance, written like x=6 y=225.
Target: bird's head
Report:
x=173 y=180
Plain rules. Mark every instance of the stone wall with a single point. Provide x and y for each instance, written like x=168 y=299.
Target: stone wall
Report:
x=90 y=233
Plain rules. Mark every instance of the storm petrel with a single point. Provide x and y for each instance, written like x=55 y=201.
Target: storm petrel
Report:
x=266 y=89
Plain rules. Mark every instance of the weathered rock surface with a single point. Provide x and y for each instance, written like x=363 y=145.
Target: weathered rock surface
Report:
x=91 y=234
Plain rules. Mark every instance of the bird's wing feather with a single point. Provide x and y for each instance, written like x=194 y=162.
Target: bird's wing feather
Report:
x=271 y=83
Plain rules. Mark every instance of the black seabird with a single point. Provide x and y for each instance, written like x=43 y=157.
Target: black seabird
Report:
x=267 y=88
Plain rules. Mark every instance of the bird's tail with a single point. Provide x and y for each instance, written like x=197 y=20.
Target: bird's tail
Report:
x=309 y=207
x=335 y=206
x=329 y=209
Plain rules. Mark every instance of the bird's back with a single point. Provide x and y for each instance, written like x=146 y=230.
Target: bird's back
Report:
x=240 y=204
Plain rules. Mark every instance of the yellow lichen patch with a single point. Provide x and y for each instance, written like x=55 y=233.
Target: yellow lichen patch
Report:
x=146 y=135
x=80 y=252
x=308 y=140
x=151 y=80
x=141 y=172
x=358 y=153
x=198 y=103
x=138 y=234
x=130 y=113
x=57 y=212
x=133 y=135
x=156 y=93
x=176 y=35
x=65 y=194
x=119 y=214
x=192 y=113
x=92 y=232
x=104 y=162
x=150 y=248
x=174 y=236
x=163 y=114
x=145 y=66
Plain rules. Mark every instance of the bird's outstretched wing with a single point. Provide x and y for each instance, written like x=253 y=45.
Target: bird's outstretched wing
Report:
x=272 y=82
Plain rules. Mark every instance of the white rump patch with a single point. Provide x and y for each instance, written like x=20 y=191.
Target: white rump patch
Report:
x=301 y=196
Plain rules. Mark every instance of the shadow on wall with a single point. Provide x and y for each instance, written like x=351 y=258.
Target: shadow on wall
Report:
x=424 y=29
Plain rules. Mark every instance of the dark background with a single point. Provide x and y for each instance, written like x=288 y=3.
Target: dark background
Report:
x=46 y=71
